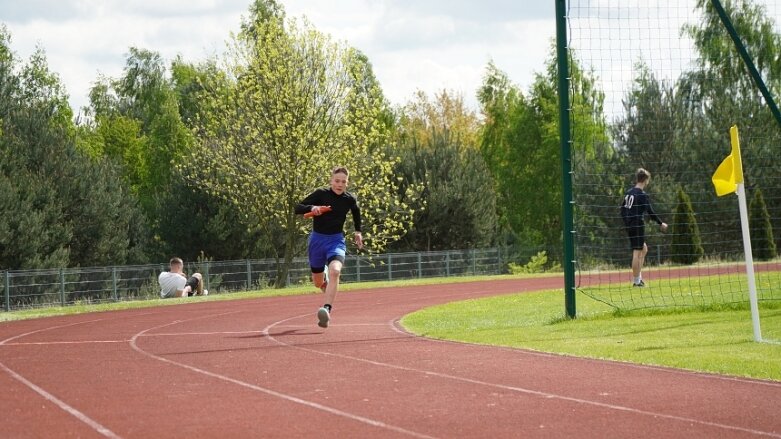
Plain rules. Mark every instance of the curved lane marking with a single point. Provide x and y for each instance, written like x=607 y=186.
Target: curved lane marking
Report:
x=48 y=396
x=311 y=404
x=542 y=394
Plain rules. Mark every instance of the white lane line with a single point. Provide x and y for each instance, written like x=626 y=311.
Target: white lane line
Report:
x=47 y=329
x=46 y=343
x=48 y=396
x=396 y=325
x=291 y=398
x=62 y=404
x=546 y=395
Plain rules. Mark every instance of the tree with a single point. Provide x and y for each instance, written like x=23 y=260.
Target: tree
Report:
x=296 y=105
x=138 y=118
x=439 y=152
x=686 y=242
x=763 y=245
x=722 y=87
x=58 y=207
x=521 y=146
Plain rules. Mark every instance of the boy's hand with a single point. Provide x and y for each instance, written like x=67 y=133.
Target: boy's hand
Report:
x=317 y=211
x=359 y=240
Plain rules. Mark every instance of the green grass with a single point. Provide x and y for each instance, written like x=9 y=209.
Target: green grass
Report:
x=696 y=291
x=717 y=340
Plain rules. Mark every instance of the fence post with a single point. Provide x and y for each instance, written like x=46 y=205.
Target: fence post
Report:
x=420 y=266
x=358 y=268
x=206 y=275
x=7 y=290
x=114 y=283
x=474 y=261
x=62 y=287
x=249 y=275
x=390 y=267
x=447 y=263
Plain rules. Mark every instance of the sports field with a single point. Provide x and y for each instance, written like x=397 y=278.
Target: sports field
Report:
x=262 y=368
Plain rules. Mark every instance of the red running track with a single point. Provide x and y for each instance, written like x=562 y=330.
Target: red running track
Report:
x=261 y=368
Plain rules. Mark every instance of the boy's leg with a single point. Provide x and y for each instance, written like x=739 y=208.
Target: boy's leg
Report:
x=199 y=286
x=636 y=264
x=319 y=280
x=193 y=286
x=334 y=271
x=643 y=252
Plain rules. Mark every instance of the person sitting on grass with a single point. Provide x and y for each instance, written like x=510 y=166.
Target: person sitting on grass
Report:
x=174 y=283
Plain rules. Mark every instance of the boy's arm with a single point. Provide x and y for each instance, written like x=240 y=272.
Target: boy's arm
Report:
x=307 y=203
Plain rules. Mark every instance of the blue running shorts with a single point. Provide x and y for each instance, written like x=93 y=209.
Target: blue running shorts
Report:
x=324 y=249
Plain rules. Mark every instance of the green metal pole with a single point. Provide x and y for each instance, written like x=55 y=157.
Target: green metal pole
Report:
x=568 y=227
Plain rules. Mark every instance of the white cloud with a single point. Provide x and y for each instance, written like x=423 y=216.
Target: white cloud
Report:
x=429 y=45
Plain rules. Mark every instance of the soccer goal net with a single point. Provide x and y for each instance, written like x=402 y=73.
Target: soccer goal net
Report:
x=657 y=84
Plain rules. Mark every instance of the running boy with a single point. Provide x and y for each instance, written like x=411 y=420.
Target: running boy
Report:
x=633 y=209
x=326 y=245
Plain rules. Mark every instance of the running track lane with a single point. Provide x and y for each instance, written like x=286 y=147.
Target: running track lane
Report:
x=262 y=368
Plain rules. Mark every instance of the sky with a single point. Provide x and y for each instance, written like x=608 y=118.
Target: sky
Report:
x=427 y=45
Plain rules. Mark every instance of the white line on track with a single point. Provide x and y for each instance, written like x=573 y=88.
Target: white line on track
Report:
x=62 y=404
x=669 y=370
x=546 y=395
x=48 y=396
x=311 y=404
x=42 y=343
x=46 y=329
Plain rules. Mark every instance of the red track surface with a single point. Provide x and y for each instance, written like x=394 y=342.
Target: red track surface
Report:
x=262 y=368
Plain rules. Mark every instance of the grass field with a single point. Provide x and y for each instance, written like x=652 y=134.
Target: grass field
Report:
x=713 y=338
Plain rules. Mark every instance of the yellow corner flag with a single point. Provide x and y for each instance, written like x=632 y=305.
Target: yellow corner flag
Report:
x=730 y=171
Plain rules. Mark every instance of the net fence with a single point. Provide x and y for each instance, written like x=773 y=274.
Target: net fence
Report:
x=658 y=84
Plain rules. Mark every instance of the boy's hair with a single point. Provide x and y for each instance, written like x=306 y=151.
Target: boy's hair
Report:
x=175 y=261
x=340 y=170
x=642 y=175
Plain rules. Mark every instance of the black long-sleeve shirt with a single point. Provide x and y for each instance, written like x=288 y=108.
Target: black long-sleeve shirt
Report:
x=331 y=222
x=635 y=205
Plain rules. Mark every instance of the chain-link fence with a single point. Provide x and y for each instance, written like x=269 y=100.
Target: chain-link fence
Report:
x=66 y=286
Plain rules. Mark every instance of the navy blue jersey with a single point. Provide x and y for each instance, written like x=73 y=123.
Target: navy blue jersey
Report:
x=333 y=221
x=634 y=207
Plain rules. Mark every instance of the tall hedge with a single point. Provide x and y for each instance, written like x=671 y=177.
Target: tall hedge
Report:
x=763 y=246
x=686 y=240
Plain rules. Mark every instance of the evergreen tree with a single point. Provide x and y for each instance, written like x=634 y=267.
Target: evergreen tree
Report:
x=763 y=245
x=457 y=208
x=58 y=206
x=686 y=241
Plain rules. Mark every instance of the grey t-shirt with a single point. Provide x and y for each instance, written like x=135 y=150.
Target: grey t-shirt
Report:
x=170 y=282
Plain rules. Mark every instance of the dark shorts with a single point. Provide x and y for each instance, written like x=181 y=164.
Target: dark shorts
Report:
x=325 y=248
x=193 y=283
x=636 y=233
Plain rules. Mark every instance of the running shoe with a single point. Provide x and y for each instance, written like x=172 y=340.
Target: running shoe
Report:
x=323 y=317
